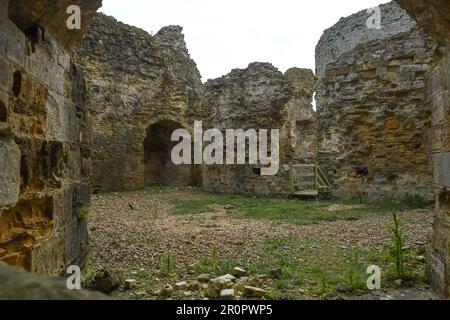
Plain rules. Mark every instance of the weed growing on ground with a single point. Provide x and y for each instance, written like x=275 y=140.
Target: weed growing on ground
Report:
x=167 y=264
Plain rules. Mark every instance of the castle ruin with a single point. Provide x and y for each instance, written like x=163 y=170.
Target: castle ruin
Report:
x=100 y=120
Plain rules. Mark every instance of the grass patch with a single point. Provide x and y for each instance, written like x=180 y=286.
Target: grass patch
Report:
x=83 y=213
x=312 y=265
x=291 y=211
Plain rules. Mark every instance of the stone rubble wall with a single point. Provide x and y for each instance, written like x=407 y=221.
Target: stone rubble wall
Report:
x=352 y=31
x=261 y=97
x=434 y=16
x=373 y=119
x=134 y=80
x=44 y=140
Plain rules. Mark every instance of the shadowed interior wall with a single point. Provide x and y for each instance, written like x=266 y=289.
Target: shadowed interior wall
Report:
x=434 y=16
x=159 y=168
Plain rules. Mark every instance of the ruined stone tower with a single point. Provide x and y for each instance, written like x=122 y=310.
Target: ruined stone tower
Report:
x=373 y=120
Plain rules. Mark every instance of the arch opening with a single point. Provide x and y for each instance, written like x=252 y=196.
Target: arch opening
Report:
x=158 y=166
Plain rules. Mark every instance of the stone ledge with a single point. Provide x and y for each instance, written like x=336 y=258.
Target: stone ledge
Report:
x=17 y=284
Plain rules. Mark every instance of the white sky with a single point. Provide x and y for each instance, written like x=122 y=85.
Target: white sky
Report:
x=225 y=34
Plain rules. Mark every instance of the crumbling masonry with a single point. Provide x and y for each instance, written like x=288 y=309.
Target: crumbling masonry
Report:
x=44 y=138
x=434 y=16
x=373 y=119
x=141 y=88
x=383 y=120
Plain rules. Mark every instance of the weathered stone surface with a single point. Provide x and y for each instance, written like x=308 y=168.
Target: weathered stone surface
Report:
x=52 y=16
x=438 y=257
x=261 y=97
x=204 y=278
x=352 y=31
x=239 y=272
x=223 y=281
x=105 y=281
x=432 y=15
x=183 y=285
x=130 y=283
x=44 y=134
x=254 y=292
x=10 y=173
x=217 y=285
x=227 y=294
x=140 y=89
x=373 y=119
x=20 y=285
x=167 y=290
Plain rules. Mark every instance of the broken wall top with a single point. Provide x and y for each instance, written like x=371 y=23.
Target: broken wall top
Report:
x=256 y=95
x=432 y=15
x=353 y=31
x=52 y=16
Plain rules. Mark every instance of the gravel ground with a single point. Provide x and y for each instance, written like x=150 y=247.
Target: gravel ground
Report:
x=136 y=229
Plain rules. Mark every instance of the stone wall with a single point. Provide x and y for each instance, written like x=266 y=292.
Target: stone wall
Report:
x=352 y=31
x=44 y=138
x=434 y=16
x=439 y=99
x=373 y=120
x=261 y=97
x=136 y=80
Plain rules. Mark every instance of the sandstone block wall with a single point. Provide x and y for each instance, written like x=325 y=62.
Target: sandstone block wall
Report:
x=44 y=139
x=352 y=31
x=261 y=97
x=439 y=99
x=136 y=84
x=373 y=119
x=434 y=16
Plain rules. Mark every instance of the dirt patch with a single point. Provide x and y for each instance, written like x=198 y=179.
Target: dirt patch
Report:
x=137 y=229
x=341 y=207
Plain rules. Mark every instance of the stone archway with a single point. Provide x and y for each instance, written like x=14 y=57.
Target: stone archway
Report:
x=158 y=166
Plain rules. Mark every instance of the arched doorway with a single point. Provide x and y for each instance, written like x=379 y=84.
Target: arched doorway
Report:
x=158 y=166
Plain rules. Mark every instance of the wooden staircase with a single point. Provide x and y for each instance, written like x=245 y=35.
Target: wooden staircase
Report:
x=308 y=180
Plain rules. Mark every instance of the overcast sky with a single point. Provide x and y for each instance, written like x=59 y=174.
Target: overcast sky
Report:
x=225 y=34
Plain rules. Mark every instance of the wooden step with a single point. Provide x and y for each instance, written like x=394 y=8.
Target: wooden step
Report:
x=306 y=183
x=307 y=193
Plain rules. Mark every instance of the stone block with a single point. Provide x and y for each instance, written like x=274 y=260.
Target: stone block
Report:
x=444 y=170
x=48 y=256
x=4 y=109
x=4 y=74
x=46 y=69
x=57 y=127
x=9 y=173
x=76 y=243
x=440 y=105
x=13 y=42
